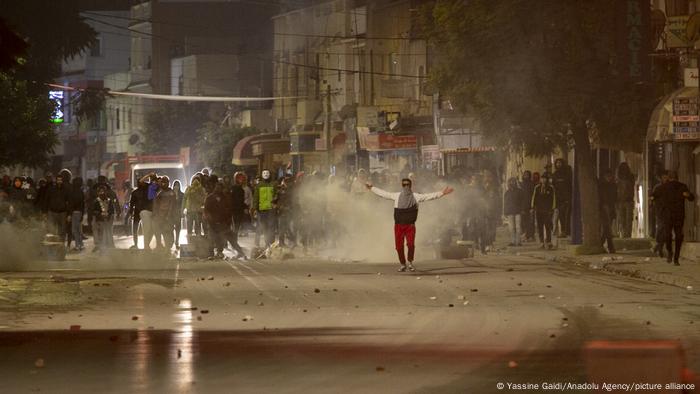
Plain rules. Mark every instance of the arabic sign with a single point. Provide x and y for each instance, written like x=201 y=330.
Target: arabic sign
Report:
x=692 y=136
x=686 y=122
x=633 y=39
x=690 y=77
x=379 y=142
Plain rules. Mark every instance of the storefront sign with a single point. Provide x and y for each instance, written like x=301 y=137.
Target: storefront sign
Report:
x=368 y=117
x=686 y=136
x=686 y=121
x=633 y=38
x=690 y=77
x=378 y=142
x=676 y=27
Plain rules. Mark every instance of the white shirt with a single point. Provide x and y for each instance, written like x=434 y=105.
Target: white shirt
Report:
x=395 y=196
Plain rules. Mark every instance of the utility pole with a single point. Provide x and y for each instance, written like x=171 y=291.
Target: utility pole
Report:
x=327 y=124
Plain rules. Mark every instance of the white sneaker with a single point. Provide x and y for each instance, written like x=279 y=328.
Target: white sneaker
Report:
x=411 y=267
x=402 y=268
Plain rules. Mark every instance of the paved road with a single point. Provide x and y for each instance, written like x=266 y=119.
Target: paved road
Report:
x=320 y=326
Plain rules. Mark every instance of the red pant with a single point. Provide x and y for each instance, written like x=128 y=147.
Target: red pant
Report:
x=407 y=231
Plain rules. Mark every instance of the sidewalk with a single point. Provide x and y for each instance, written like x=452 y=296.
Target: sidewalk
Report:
x=637 y=263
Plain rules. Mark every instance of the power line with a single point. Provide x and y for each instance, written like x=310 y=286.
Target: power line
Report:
x=281 y=61
x=364 y=37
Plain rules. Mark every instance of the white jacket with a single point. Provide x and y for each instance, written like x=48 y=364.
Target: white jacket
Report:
x=395 y=196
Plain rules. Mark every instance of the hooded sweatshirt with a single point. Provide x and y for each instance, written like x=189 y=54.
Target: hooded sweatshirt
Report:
x=406 y=203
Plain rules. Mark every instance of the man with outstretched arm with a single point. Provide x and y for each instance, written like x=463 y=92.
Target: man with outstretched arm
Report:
x=405 y=215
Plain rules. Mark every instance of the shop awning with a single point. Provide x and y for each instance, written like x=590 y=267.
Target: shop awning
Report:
x=661 y=123
x=243 y=151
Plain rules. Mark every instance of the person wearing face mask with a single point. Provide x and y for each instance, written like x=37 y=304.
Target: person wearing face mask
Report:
x=264 y=205
x=405 y=215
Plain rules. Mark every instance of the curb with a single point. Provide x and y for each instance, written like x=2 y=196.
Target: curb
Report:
x=617 y=269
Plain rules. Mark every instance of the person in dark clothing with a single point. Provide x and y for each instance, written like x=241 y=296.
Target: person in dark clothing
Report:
x=103 y=209
x=405 y=215
x=562 y=180
x=656 y=211
x=56 y=207
x=76 y=207
x=607 y=198
x=92 y=196
x=164 y=213
x=17 y=199
x=543 y=203
x=527 y=221
x=671 y=197
x=625 y=200
x=238 y=210
x=177 y=216
x=285 y=198
x=512 y=210
x=219 y=211
x=139 y=201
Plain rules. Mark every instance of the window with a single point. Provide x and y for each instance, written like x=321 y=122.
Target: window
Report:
x=677 y=7
x=393 y=64
x=96 y=48
x=129 y=117
x=117 y=118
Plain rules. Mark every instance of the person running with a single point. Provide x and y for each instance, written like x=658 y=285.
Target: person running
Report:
x=405 y=215
x=671 y=197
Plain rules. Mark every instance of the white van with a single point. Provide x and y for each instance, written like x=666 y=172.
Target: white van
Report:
x=174 y=171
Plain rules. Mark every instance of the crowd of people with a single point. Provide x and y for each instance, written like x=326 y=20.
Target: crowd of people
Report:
x=302 y=209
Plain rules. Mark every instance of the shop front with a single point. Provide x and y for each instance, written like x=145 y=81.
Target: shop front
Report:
x=673 y=143
x=255 y=152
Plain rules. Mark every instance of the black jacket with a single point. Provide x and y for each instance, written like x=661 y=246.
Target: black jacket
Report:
x=543 y=198
x=607 y=198
x=97 y=210
x=217 y=208
x=562 y=180
x=76 y=199
x=57 y=198
x=513 y=201
x=669 y=200
x=238 y=206
x=139 y=201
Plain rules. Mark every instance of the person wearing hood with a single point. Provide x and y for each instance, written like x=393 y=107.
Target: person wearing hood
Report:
x=542 y=205
x=219 y=212
x=238 y=209
x=56 y=207
x=103 y=209
x=405 y=215
x=264 y=205
x=164 y=213
x=177 y=216
x=562 y=180
x=194 y=204
x=76 y=207
x=138 y=202
x=513 y=206
x=528 y=222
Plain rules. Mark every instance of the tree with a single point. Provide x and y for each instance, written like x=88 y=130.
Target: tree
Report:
x=172 y=125
x=39 y=35
x=215 y=145
x=27 y=136
x=542 y=76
